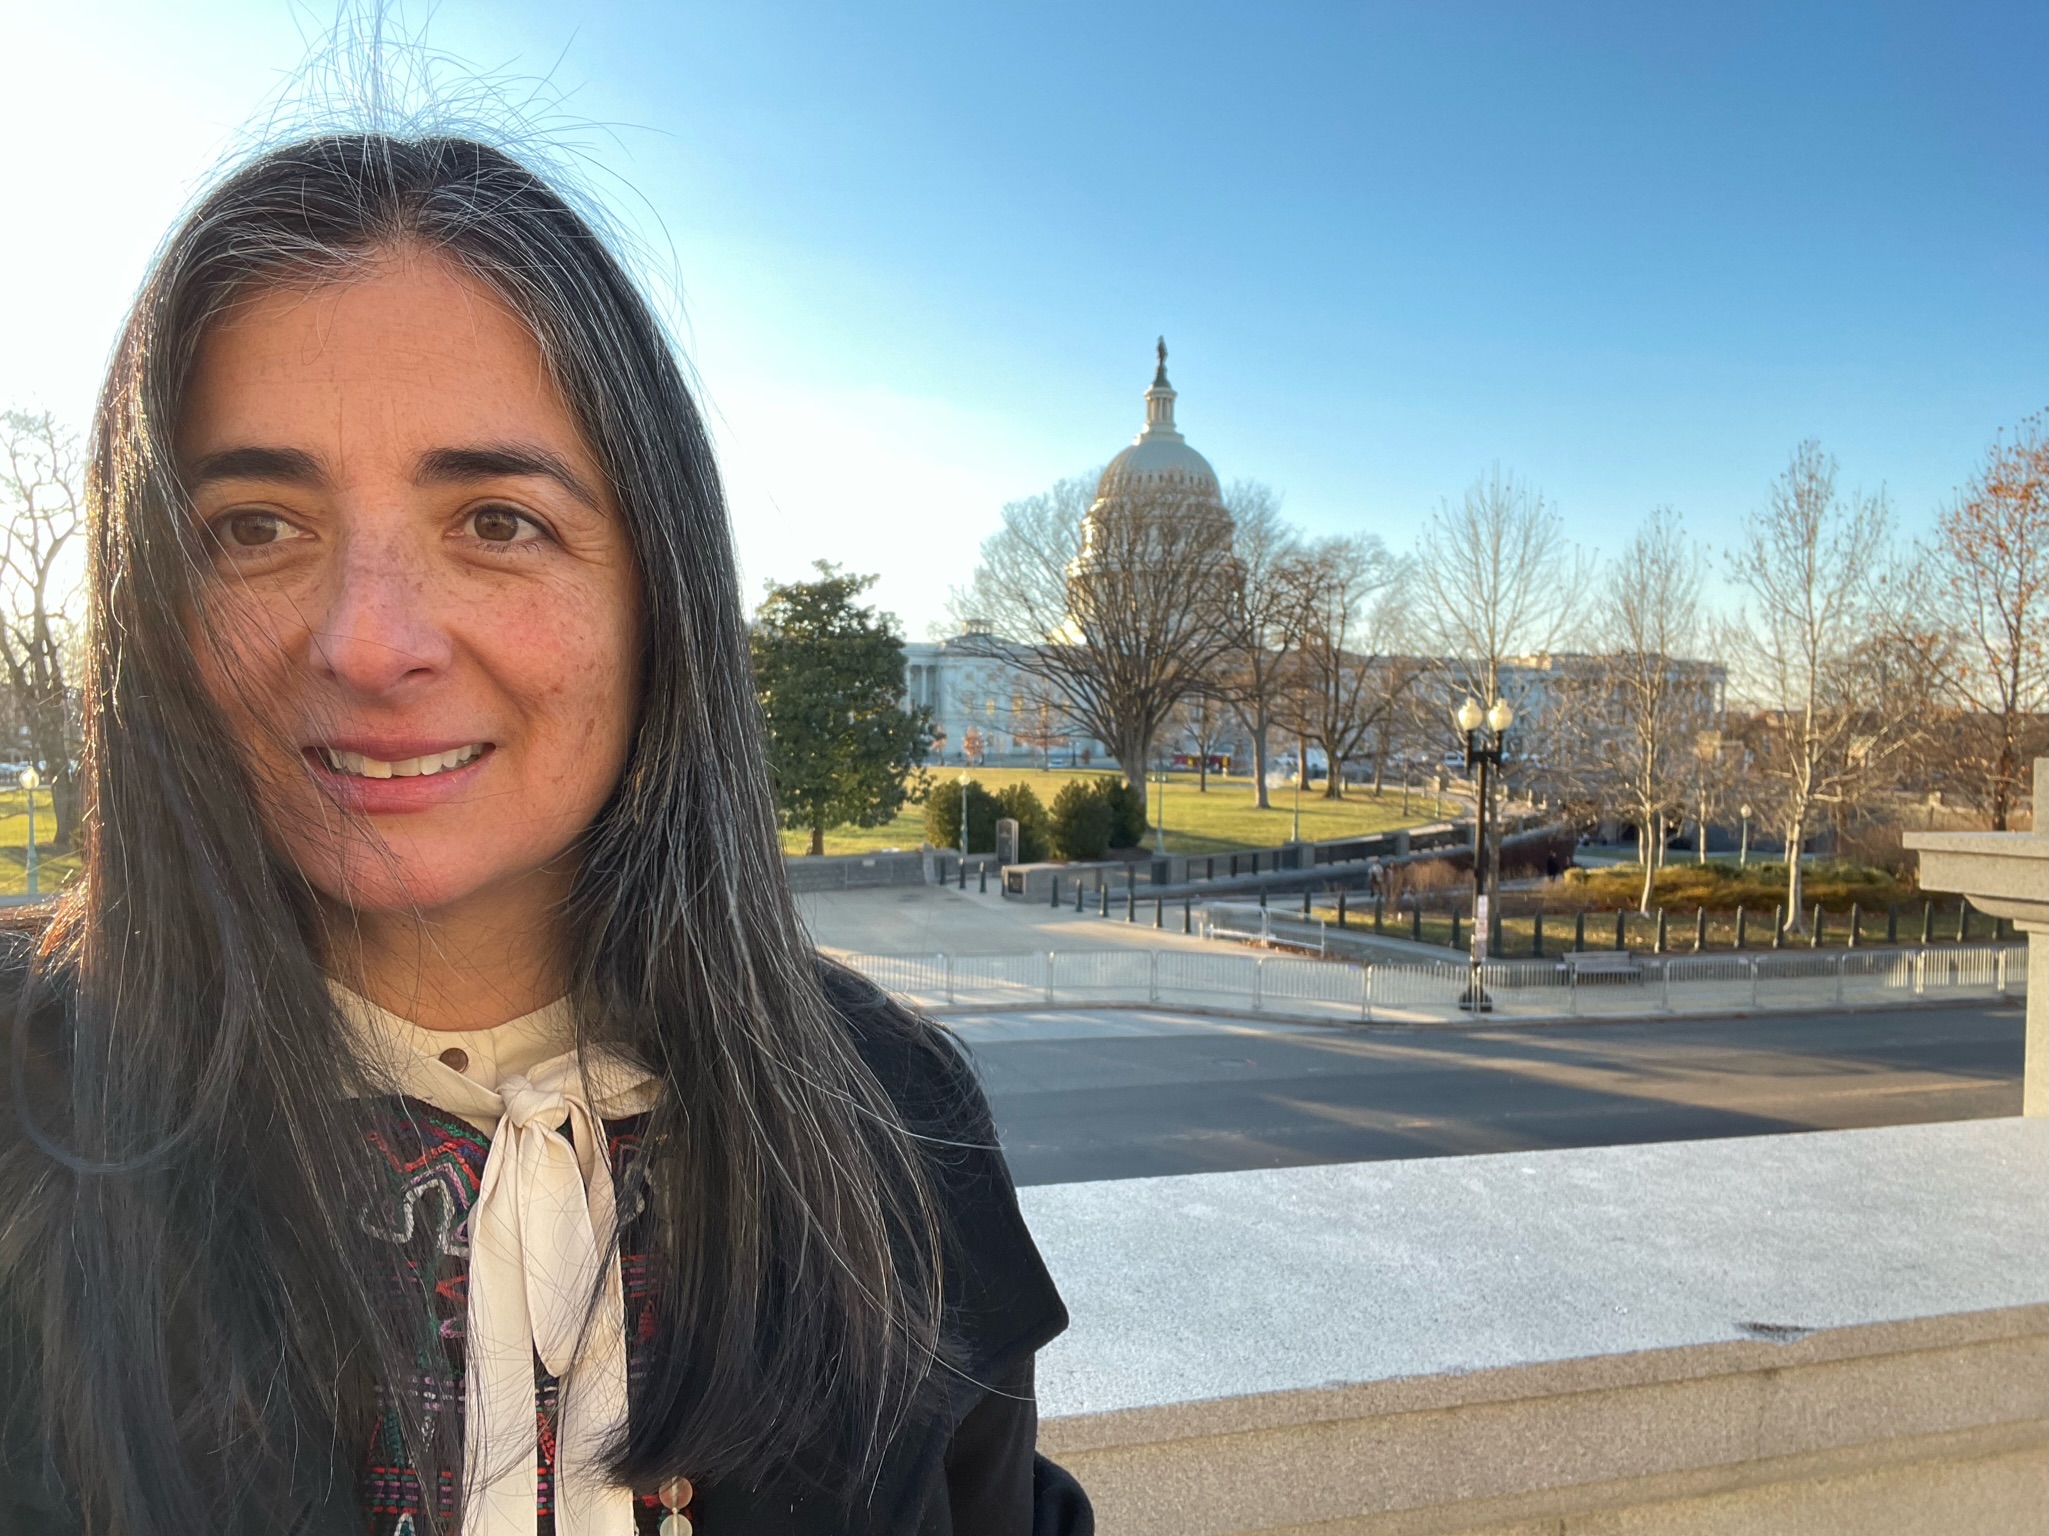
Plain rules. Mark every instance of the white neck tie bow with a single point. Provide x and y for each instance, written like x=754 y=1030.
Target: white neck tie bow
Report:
x=541 y=1251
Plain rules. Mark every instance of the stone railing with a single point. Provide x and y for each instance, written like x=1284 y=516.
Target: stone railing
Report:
x=853 y=871
x=1844 y=1331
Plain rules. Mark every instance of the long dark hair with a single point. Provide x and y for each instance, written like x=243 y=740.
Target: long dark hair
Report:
x=182 y=1194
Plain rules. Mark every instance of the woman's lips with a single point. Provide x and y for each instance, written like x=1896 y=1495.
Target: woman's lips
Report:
x=418 y=780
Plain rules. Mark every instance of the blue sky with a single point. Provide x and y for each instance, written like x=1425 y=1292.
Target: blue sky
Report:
x=1634 y=253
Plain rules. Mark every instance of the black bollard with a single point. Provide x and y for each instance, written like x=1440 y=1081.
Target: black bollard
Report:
x=1341 y=910
x=1130 y=905
x=1779 y=926
x=1621 y=932
x=1455 y=914
x=1262 y=898
x=1856 y=925
x=984 y=878
x=1963 y=922
x=1815 y=941
x=1056 y=893
x=1742 y=937
x=1379 y=914
x=1306 y=911
x=1699 y=929
x=1077 y=892
x=1579 y=931
x=1661 y=930
x=963 y=878
x=1927 y=922
x=1103 y=899
x=1892 y=922
x=1416 y=921
x=1537 y=936
x=1187 y=915
x=1159 y=911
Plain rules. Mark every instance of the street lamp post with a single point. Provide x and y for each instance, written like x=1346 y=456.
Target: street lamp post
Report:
x=1743 y=847
x=963 y=782
x=1481 y=755
x=29 y=780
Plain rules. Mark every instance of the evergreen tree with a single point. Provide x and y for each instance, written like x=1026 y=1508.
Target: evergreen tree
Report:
x=831 y=678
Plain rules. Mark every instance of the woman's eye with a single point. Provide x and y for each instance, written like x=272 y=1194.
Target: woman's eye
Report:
x=502 y=525
x=254 y=530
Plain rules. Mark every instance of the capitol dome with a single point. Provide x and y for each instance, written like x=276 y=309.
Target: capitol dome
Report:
x=1159 y=459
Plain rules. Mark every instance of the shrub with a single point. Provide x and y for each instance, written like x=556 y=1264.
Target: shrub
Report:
x=942 y=816
x=1033 y=832
x=1126 y=804
x=1080 y=821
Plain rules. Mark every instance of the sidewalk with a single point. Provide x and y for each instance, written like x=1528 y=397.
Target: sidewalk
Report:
x=939 y=919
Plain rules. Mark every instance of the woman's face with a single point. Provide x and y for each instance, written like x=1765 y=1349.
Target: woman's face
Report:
x=424 y=618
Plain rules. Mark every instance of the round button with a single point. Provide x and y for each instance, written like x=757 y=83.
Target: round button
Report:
x=456 y=1057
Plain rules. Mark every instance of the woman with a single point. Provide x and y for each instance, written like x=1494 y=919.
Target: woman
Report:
x=428 y=1113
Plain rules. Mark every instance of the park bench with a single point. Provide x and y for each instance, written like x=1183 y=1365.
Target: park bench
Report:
x=1588 y=964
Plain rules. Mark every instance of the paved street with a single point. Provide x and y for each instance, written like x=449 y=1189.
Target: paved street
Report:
x=1111 y=1094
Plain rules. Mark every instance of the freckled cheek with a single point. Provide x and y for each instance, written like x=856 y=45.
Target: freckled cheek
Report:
x=578 y=683
x=243 y=655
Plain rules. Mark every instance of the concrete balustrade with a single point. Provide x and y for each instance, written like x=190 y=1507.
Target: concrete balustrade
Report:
x=2007 y=875
x=1831 y=1332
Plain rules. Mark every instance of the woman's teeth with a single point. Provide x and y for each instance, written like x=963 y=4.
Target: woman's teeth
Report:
x=406 y=767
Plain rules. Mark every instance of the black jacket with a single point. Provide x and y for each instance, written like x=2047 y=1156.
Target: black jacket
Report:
x=966 y=1466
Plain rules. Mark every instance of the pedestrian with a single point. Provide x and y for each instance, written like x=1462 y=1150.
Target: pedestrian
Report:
x=429 y=1113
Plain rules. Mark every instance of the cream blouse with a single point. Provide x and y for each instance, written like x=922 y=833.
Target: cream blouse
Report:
x=539 y=1240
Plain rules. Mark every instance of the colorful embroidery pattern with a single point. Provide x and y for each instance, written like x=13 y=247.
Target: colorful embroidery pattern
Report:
x=436 y=1162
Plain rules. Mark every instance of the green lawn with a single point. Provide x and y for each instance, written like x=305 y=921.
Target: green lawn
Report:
x=1223 y=820
x=51 y=873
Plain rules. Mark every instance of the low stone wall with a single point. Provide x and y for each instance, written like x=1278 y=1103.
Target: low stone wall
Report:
x=845 y=872
x=1835 y=1332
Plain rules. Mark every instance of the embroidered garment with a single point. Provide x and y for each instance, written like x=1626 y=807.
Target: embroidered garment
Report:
x=437 y=1164
x=532 y=1217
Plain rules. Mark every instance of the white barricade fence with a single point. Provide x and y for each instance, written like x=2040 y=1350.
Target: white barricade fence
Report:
x=1293 y=985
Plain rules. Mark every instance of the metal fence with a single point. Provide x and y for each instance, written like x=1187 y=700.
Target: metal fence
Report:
x=1286 y=986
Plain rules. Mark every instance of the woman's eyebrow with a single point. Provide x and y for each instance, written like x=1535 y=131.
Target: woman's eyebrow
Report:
x=294 y=466
x=443 y=466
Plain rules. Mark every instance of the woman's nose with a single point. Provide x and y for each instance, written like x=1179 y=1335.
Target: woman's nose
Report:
x=380 y=631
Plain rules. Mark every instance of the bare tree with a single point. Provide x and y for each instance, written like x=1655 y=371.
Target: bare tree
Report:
x=1264 y=620
x=42 y=490
x=1811 y=564
x=1495 y=579
x=1651 y=604
x=1199 y=720
x=1991 y=565
x=1120 y=605
x=1336 y=698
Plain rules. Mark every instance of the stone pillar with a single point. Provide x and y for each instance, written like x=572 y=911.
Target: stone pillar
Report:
x=2006 y=874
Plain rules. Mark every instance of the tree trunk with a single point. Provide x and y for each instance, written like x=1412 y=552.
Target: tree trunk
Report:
x=1645 y=843
x=2006 y=774
x=817 y=840
x=1795 y=890
x=1259 y=796
x=1132 y=751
